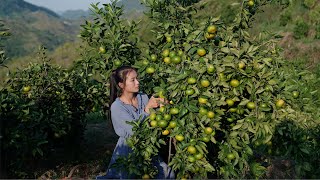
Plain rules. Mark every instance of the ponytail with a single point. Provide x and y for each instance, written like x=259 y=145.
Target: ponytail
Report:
x=113 y=88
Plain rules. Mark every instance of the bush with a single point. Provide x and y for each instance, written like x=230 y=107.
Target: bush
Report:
x=317 y=31
x=314 y=14
x=301 y=29
x=285 y=17
x=309 y=3
x=42 y=116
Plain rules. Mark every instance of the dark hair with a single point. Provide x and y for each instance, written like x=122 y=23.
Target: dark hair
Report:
x=118 y=76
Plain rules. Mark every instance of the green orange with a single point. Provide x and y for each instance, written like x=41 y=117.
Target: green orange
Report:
x=201 y=52
x=212 y=29
x=210 y=114
x=208 y=130
x=234 y=83
x=150 y=70
x=230 y=102
x=189 y=92
x=191 y=80
x=205 y=83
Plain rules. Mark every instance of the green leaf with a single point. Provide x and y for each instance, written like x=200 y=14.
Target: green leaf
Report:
x=225 y=50
x=237 y=126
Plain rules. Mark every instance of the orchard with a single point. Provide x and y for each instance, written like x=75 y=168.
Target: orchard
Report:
x=233 y=105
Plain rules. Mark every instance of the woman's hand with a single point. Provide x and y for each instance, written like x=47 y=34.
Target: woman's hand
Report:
x=154 y=103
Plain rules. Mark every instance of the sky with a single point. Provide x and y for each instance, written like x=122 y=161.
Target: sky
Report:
x=63 y=5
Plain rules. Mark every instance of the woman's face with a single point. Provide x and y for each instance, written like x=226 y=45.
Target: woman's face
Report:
x=132 y=83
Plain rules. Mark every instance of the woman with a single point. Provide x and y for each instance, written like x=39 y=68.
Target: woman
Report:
x=128 y=104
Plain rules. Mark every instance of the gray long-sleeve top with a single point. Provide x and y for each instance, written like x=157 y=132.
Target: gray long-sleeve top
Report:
x=120 y=113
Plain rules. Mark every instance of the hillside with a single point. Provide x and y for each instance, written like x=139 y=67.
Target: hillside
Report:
x=132 y=5
x=11 y=8
x=75 y=14
x=32 y=26
x=133 y=9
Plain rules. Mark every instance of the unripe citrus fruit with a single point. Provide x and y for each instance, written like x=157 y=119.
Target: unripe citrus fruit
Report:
x=241 y=65
x=208 y=130
x=191 y=80
x=153 y=123
x=165 y=132
x=205 y=83
x=189 y=92
x=153 y=57
x=251 y=105
x=201 y=52
x=210 y=68
x=210 y=114
x=167 y=60
x=280 y=103
x=179 y=137
x=191 y=149
x=234 y=83
x=165 y=53
x=169 y=39
x=250 y=3
x=172 y=124
x=230 y=102
x=26 y=88
x=202 y=100
x=174 y=111
x=150 y=70
x=102 y=50
x=230 y=156
x=212 y=29
x=162 y=123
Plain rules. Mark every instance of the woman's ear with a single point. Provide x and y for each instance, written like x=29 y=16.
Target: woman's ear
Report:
x=121 y=85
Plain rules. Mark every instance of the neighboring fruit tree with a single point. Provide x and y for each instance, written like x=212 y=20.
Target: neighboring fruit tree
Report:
x=42 y=114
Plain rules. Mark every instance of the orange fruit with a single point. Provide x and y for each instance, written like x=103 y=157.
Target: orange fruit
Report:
x=191 y=149
x=201 y=52
x=212 y=29
x=205 y=83
x=210 y=114
x=165 y=132
x=208 y=130
x=280 y=103
x=234 y=83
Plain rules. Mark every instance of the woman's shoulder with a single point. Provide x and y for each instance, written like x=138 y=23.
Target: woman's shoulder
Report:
x=116 y=104
x=144 y=96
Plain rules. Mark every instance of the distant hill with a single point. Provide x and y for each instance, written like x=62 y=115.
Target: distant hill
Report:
x=75 y=14
x=131 y=5
x=132 y=9
x=16 y=7
x=32 y=26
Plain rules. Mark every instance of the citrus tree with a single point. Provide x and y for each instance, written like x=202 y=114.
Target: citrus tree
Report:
x=224 y=90
x=42 y=114
x=110 y=42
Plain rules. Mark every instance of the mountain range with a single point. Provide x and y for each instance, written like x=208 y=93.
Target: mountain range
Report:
x=32 y=26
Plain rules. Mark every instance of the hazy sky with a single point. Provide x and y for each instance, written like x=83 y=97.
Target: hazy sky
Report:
x=62 y=5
